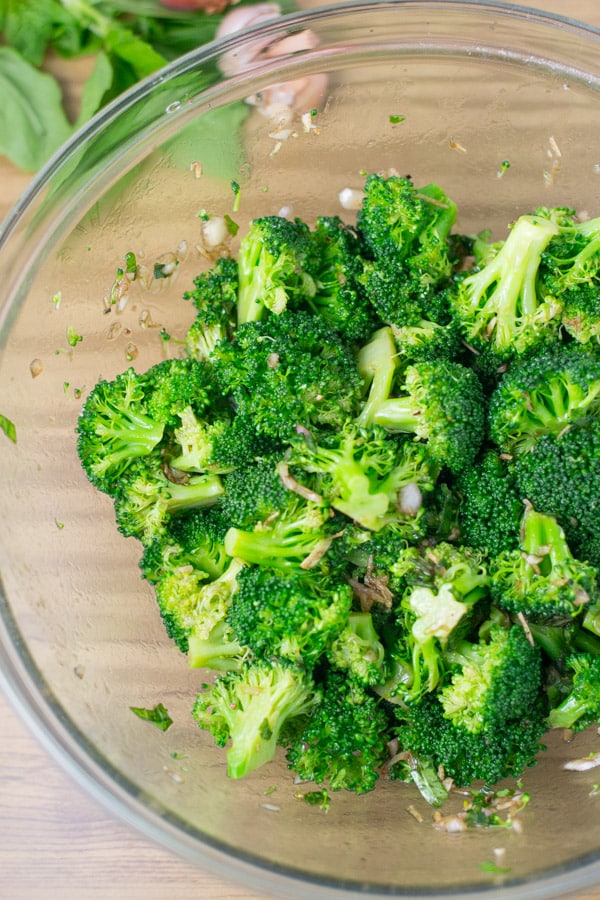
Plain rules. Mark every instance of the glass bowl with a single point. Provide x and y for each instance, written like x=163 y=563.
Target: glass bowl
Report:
x=444 y=91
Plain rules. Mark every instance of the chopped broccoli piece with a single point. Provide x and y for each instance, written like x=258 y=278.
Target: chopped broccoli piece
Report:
x=542 y=578
x=115 y=428
x=358 y=650
x=147 y=500
x=296 y=537
x=490 y=507
x=250 y=707
x=441 y=404
x=544 y=394
x=287 y=372
x=560 y=476
x=581 y=707
x=363 y=473
x=215 y=298
x=493 y=682
x=290 y=615
x=344 y=743
x=273 y=266
x=501 y=307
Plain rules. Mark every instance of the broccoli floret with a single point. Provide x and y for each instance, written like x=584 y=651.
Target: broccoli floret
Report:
x=465 y=756
x=543 y=394
x=542 y=578
x=494 y=682
x=560 y=476
x=194 y=613
x=339 y=296
x=253 y=493
x=146 y=499
x=427 y=341
x=344 y=743
x=441 y=404
x=296 y=537
x=288 y=371
x=571 y=272
x=194 y=540
x=179 y=384
x=405 y=229
x=501 y=307
x=358 y=650
x=251 y=706
x=196 y=442
x=490 y=507
x=116 y=428
x=215 y=298
x=292 y=615
x=581 y=707
x=364 y=473
x=273 y=266
x=439 y=588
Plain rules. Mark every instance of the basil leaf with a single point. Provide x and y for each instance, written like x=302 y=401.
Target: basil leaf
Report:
x=95 y=89
x=32 y=120
x=158 y=716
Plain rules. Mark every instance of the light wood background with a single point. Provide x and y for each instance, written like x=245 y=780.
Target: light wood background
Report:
x=55 y=841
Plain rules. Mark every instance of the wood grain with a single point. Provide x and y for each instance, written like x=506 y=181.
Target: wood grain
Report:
x=55 y=841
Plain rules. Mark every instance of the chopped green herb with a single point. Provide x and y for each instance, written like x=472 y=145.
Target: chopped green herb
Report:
x=163 y=270
x=395 y=120
x=318 y=798
x=235 y=187
x=59 y=525
x=72 y=337
x=494 y=868
x=158 y=716
x=176 y=755
x=232 y=227
x=8 y=428
x=56 y=299
x=130 y=263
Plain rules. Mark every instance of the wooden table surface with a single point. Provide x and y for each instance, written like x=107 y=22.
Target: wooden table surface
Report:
x=55 y=841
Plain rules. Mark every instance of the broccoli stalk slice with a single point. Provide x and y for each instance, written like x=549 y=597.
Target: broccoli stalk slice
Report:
x=199 y=491
x=377 y=363
x=285 y=542
x=504 y=292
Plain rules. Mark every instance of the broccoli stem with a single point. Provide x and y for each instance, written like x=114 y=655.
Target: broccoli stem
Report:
x=398 y=414
x=202 y=490
x=377 y=363
x=568 y=712
x=219 y=651
x=508 y=281
x=543 y=537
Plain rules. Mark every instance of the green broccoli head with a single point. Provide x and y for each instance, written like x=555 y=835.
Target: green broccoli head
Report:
x=443 y=404
x=372 y=478
x=214 y=296
x=466 y=756
x=292 y=615
x=571 y=272
x=249 y=709
x=542 y=394
x=581 y=707
x=358 y=650
x=490 y=507
x=345 y=741
x=179 y=384
x=253 y=493
x=194 y=612
x=501 y=307
x=406 y=229
x=542 y=579
x=287 y=372
x=195 y=539
x=339 y=296
x=115 y=428
x=560 y=476
x=274 y=262
x=494 y=682
x=297 y=536
x=147 y=499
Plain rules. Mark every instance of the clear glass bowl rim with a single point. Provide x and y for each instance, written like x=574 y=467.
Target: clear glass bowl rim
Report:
x=23 y=685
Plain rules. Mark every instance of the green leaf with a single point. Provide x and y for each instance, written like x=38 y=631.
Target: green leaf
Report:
x=158 y=716
x=96 y=87
x=8 y=428
x=32 y=120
